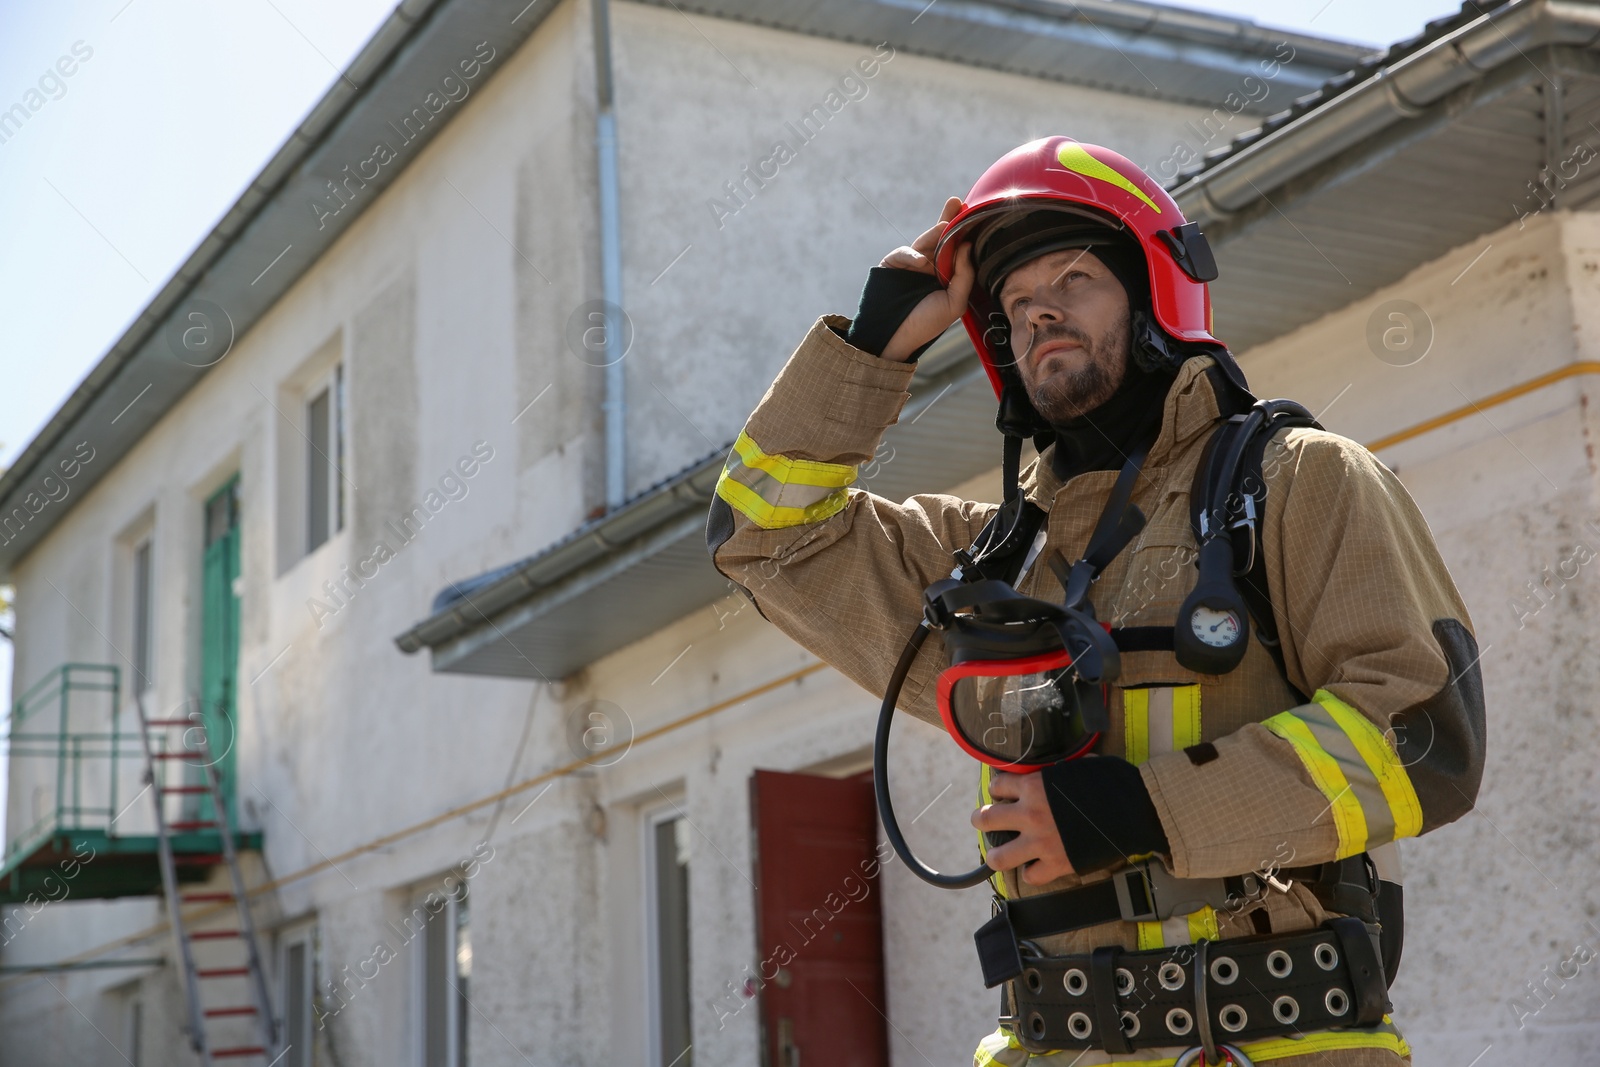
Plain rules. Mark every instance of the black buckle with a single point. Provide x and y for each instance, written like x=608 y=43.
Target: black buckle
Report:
x=998 y=953
x=1147 y=893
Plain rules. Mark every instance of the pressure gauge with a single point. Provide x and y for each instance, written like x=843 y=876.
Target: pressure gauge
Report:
x=1219 y=629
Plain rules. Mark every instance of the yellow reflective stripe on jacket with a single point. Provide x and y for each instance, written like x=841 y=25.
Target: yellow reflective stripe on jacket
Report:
x=1157 y=720
x=775 y=491
x=1369 y=794
x=998 y=878
x=1382 y=763
x=1001 y=1048
x=1180 y=929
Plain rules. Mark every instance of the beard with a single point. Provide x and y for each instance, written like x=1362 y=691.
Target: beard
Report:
x=1069 y=393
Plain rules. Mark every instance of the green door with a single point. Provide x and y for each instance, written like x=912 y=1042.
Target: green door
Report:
x=219 y=638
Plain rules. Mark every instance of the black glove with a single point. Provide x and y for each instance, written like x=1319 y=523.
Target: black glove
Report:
x=890 y=295
x=1103 y=810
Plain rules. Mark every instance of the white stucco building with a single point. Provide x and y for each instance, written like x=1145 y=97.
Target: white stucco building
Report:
x=376 y=435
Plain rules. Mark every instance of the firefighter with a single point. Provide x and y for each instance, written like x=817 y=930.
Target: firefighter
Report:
x=1264 y=670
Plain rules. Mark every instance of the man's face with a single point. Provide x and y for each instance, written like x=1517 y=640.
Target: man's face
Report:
x=1069 y=331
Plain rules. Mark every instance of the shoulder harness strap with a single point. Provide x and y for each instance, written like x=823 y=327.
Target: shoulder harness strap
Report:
x=1236 y=499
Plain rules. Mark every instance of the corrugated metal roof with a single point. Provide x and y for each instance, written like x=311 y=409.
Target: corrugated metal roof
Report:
x=1385 y=171
x=1125 y=46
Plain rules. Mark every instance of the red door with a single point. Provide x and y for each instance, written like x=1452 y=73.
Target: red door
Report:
x=819 y=924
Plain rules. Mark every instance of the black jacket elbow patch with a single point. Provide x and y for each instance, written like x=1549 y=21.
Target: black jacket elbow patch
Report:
x=719 y=526
x=1440 y=741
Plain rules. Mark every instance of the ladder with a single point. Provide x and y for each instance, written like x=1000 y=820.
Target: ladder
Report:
x=233 y=953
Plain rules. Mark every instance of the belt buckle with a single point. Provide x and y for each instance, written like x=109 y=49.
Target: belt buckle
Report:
x=1166 y=895
x=1122 y=883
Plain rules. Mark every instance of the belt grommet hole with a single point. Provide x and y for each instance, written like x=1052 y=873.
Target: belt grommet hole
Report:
x=1224 y=971
x=1124 y=981
x=1036 y=1026
x=1337 y=1001
x=1076 y=981
x=1327 y=956
x=1079 y=1026
x=1034 y=981
x=1130 y=1024
x=1285 y=1009
x=1279 y=964
x=1179 y=1022
x=1170 y=976
x=1233 y=1018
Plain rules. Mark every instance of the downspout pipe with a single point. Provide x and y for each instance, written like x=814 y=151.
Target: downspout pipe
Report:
x=614 y=404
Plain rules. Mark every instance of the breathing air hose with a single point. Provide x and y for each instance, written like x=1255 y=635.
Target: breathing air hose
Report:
x=880 y=778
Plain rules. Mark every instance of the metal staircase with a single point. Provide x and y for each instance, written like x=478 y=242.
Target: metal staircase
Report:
x=221 y=959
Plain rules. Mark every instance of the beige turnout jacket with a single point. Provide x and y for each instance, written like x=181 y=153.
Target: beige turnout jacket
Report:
x=1390 y=746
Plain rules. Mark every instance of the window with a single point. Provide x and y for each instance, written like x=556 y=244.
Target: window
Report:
x=135 y=1032
x=325 y=460
x=445 y=971
x=143 y=620
x=298 y=970
x=667 y=862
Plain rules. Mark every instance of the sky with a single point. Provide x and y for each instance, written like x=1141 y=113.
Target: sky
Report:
x=172 y=106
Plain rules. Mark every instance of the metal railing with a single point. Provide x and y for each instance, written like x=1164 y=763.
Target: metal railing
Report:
x=75 y=757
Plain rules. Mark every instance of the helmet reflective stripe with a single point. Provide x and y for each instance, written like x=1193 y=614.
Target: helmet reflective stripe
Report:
x=1074 y=157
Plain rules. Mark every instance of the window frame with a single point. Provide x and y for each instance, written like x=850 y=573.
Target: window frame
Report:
x=652 y=819
x=325 y=462
x=302 y=936
x=142 y=602
x=456 y=1019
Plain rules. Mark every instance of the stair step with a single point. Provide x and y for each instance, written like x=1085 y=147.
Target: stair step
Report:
x=212 y=1013
x=182 y=753
x=199 y=898
x=191 y=789
x=213 y=935
x=242 y=1050
x=193 y=824
x=205 y=859
x=221 y=972
x=172 y=722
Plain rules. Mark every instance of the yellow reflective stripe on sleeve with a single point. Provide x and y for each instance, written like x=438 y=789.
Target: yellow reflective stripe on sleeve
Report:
x=1348 y=818
x=1383 y=763
x=775 y=491
x=1356 y=768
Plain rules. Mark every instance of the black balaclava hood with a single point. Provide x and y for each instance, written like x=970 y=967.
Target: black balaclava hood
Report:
x=1103 y=438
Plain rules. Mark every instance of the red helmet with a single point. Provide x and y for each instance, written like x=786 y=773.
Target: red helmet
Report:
x=1067 y=175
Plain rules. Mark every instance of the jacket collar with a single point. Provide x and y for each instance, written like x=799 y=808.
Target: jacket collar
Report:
x=1190 y=408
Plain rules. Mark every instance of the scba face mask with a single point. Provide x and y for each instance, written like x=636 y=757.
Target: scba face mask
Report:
x=1023 y=686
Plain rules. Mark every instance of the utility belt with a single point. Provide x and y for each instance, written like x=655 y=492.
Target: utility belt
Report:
x=1239 y=989
x=1201 y=995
